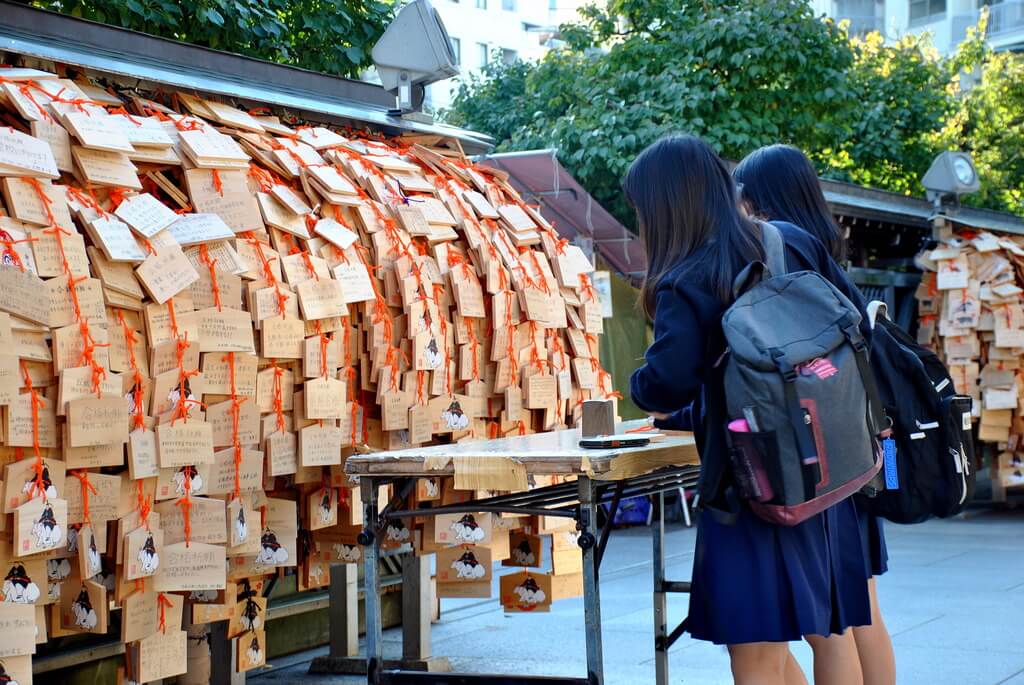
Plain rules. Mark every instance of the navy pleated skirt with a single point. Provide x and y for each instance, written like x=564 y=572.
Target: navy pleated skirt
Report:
x=873 y=536
x=758 y=582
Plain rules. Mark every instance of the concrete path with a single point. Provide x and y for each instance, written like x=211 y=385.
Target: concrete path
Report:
x=953 y=600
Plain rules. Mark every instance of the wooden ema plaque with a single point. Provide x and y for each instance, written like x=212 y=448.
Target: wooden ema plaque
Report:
x=204 y=314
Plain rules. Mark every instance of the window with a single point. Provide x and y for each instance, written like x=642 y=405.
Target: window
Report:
x=508 y=5
x=864 y=16
x=924 y=11
x=483 y=52
x=854 y=8
x=508 y=56
x=481 y=4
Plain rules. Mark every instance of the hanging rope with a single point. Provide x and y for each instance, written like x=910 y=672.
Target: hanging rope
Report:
x=83 y=478
x=268 y=273
x=354 y=420
x=163 y=604
x=474 y=346
x=236 y=443
x=138 y=414
x=587 y=288
x=218 y=184
x=89 y=345
x=186 y=504
x=211 y=265
x=36 y=403
x=278 y=398
x=145 y=504
x=181 y=407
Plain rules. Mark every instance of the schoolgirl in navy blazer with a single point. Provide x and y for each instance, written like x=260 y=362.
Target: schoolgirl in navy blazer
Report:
x=755 y=585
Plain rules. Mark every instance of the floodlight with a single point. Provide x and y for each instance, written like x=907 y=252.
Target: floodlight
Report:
x=413 y=52
x=951 y=175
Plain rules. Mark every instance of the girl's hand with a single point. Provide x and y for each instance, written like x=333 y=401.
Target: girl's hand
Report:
x=656 y=415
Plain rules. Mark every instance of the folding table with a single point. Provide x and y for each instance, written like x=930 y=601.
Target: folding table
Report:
x=601 y=476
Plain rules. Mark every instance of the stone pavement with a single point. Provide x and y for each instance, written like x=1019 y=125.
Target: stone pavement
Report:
x=953 y=600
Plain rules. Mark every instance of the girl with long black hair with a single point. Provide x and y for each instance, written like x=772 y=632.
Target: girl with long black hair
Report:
x=779 y=184
x=755 y=585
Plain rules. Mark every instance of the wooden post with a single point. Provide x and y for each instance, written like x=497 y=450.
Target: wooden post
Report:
x=344 y=610
x=998 y=489
x=343 y=616
x=418 y=603
x=416 y=608
x=222 y=656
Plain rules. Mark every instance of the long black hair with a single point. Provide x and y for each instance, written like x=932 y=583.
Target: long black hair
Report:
x=685 y=199
x=780 y=184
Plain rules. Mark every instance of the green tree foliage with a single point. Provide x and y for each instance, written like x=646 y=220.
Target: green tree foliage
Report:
x=890 y=136
x=739 y=73
x=989 y=122
x=746 y=73
x=332 y=36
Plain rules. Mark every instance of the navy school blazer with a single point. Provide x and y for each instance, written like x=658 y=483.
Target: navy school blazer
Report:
x=680 y=376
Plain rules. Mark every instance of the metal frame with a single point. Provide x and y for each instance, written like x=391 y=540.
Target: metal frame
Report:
x=578 y=500
x=663 y=639
x=342 y=597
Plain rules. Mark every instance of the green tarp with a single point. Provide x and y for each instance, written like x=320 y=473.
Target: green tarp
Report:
x=626 y=337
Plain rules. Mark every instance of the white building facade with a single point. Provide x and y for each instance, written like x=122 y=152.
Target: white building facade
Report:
x=946 y=20
x=484 y=30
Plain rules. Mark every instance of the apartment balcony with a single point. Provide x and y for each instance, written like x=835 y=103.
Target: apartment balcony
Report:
x=1006 y=17
x=1005 y=24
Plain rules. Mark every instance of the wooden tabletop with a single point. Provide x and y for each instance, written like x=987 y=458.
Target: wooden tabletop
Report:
x=551 y=453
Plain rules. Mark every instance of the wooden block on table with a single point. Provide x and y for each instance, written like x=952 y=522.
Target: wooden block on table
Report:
x=598 y=418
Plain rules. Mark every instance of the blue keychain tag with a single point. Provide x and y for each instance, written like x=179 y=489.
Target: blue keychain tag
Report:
x=892 y=479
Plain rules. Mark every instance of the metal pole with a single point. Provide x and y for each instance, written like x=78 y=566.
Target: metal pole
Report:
x=371 y=576
x=686 y=507
x=660 y=601
x=591 y=590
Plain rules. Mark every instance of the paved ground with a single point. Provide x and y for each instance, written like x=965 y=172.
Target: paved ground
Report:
x=953 y=600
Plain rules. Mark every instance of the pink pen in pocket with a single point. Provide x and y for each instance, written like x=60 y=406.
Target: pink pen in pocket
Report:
x=739 y=426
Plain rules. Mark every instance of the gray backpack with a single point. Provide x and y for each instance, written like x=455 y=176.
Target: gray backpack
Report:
x=805 y=417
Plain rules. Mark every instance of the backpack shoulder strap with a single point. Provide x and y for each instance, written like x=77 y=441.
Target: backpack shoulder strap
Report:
x=774 y=249
x=876 y=309
x=774 y=263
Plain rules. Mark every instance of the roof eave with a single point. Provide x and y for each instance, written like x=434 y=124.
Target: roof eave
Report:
x=136 y=58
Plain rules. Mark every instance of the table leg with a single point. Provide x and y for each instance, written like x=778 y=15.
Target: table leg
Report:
x=591 y=589
x=660 y=600
x=371 y=576
x=686 y=507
